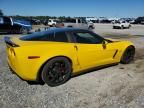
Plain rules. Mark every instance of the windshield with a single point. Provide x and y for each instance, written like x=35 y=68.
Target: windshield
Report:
x=22 y=21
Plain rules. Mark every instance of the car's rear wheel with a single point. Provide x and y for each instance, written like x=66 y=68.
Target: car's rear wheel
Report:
x=90 y=28
x=56 y=71
x=114 y=27
x=128 y=55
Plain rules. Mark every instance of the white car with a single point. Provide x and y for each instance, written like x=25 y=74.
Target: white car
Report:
x=52 y=22
x=121 y=24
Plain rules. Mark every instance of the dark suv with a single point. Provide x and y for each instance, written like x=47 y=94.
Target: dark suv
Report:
x=8 y=25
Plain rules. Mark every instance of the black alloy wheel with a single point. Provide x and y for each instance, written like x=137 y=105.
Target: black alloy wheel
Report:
x=128 y=55
x=56 y=71
x=122 y=27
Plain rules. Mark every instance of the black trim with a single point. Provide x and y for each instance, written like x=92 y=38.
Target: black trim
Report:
x=82 y=72
x=115 y=54
x=9 y=42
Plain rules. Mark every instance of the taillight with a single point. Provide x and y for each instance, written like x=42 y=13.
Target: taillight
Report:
x=33 y=57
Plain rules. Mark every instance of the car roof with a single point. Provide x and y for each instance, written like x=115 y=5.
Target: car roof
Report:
x=51 y=30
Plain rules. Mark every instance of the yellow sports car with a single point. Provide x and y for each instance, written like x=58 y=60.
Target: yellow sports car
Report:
x=54 y=55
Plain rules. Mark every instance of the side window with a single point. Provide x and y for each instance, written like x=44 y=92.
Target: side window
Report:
x=87 y=38
x=47 y=37
x=39 y=37
x=70 y=21
x=1 y=20
x=84 y=21
x=73 y=21
x=61 y=37
x=79 y=21
x=123 y=22
x=7 y=20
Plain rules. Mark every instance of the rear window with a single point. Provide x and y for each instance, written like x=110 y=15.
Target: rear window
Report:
x=41 y=36
x=46 y=36
x=70 y=21
x=61 y=37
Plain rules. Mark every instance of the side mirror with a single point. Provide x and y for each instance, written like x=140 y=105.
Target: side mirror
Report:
x=104 y=43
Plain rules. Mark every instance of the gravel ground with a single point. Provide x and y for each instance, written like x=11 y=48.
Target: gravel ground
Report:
x=120 y=86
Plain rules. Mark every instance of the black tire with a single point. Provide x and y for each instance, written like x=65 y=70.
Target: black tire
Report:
x=53 y=25
x=90 y=28
x=129 y=26
x=56 y=71
x=128 y=55
x=122 y=27
x=70 y=26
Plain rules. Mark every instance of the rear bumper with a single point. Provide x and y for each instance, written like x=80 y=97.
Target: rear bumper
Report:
x=13 y=72
x=15 y=68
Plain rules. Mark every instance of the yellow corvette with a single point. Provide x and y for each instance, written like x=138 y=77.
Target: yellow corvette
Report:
x=54 y=55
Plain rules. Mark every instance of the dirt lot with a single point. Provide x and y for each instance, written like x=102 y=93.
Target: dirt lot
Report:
x=120 y=86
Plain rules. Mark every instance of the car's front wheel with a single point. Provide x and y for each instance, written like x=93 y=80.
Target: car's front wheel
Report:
x=56 y=71
x=128 y=55
x=122 y=27
x=90 y=28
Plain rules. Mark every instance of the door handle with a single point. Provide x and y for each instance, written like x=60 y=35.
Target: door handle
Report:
x=76 y=47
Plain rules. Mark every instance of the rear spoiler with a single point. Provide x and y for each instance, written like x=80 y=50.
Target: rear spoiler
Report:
x=9 y=42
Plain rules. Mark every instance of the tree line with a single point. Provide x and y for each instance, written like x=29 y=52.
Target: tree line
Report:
x=41 y=18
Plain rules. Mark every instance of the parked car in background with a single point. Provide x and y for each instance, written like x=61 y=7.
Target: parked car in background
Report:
x=52 y=22
x=35 y=22
x=92 y=19
x=130 y=20
x=8 y=25
x=59 y=53
x=103 y=20
x=139 y=20
x=142 y=22
x=78 y=23
x=121 y=24
x=90 y=25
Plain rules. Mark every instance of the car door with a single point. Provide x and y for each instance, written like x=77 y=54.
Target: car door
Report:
x=91 y=51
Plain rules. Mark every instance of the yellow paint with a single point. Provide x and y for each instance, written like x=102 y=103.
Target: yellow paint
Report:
x=87 y=55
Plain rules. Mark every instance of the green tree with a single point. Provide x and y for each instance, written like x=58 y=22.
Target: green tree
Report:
x=1 y=13
x=62 y=18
